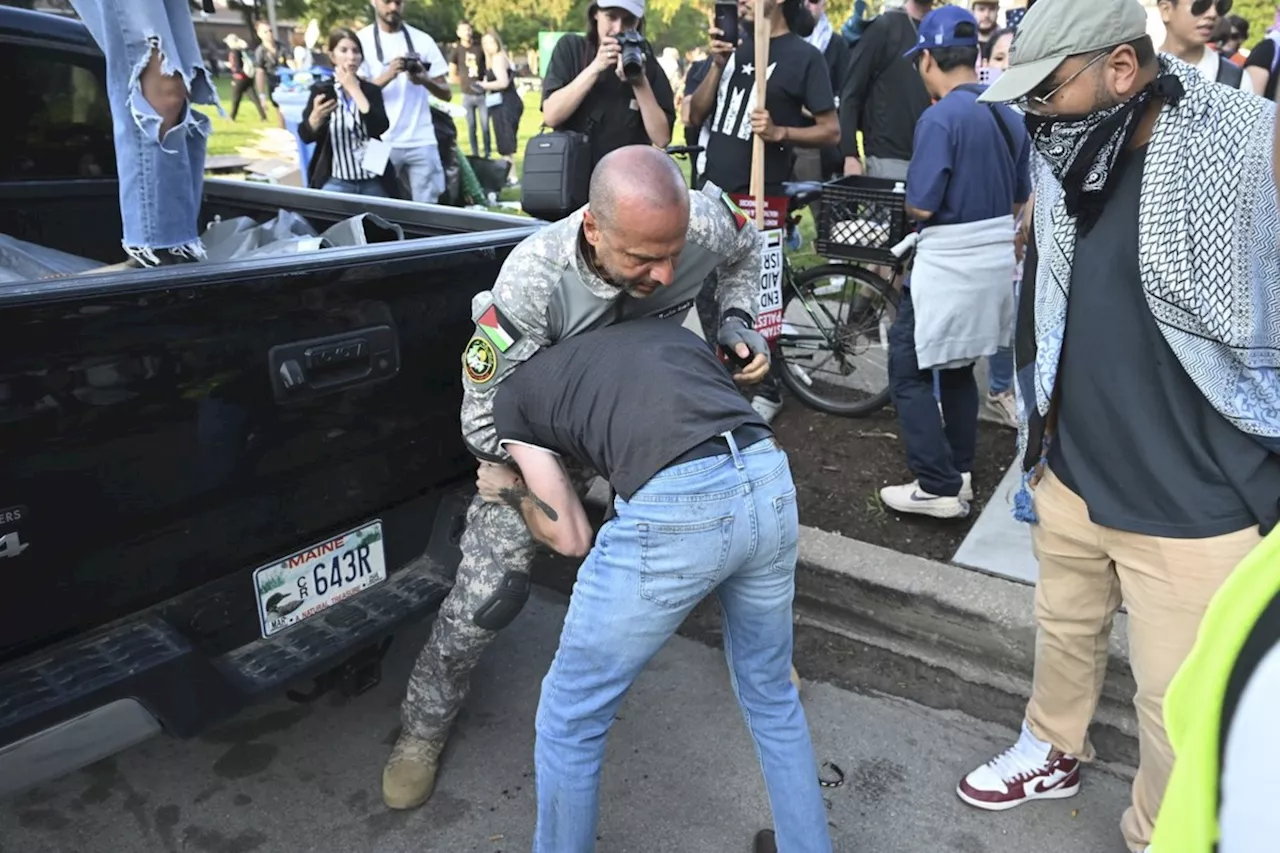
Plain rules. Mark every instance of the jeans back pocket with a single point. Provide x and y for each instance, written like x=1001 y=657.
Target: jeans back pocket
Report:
x=681 y=563
x=788 y=519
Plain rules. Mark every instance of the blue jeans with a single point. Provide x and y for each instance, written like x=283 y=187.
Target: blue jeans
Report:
x=477 y=117
x=370 y=187
x=1000 y=370
x=937 y=455
x=726 y=524
x=420 y=172
x=161 y=180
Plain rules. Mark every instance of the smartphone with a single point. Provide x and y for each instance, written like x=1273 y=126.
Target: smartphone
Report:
x=325 y=88
x=726 y=20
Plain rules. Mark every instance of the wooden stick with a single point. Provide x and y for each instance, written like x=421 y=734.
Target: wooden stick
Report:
x=762 y=80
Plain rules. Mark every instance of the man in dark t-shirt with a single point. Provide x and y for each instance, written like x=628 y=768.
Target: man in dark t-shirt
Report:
x=884 y=91
x=705 y=503
x=799 y=87
x=466 y=62
x=585 y=89
x=799 y=82
x=1154 y=489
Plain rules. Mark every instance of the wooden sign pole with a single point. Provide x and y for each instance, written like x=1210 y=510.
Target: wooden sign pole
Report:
x=762 y=79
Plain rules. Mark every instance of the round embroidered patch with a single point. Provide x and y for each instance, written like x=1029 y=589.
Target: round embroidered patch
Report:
x=480 y=361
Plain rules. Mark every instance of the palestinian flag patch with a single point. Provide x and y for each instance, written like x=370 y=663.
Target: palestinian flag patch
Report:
x=739 y=218
x=498 y=329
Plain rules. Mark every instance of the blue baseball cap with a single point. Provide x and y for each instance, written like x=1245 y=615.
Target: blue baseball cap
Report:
x=938 y=29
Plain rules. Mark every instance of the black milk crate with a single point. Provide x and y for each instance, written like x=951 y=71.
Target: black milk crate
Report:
x=862 y=219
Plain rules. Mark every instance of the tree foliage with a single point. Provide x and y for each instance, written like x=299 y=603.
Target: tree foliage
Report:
x=1260 y=14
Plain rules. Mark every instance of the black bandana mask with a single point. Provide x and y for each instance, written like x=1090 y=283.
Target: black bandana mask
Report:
x=1082 y=151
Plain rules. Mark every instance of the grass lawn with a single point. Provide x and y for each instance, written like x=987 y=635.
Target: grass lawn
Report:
x=229 y=136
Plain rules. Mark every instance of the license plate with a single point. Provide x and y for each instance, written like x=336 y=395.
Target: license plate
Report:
x=314 y=579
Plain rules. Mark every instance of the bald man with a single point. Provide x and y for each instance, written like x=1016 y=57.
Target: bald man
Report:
x=642 y=247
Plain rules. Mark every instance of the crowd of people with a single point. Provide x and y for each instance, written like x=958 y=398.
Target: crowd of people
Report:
x=1119 y=200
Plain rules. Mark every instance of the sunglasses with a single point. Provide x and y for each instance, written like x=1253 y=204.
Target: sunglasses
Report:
x=1035 y=103
x=1199 y=7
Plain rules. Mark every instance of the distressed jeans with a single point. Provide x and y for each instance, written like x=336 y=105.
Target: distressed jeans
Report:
x=161 y=179
x=725 y=524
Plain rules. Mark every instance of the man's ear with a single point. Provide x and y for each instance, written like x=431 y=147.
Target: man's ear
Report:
x=1123 y=64
x=591 y=228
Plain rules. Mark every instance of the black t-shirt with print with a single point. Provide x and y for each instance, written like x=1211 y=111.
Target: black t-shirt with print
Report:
x=798 y=80
x=609 y=114
x=1263 y=56
x=470 y=64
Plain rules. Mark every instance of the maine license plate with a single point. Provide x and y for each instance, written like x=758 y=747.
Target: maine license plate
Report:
x=311 y=581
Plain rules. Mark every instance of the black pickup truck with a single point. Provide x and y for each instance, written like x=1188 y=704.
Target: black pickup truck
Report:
x=217 y=480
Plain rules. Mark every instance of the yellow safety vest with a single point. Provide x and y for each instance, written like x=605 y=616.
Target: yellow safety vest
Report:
x=1193 y=705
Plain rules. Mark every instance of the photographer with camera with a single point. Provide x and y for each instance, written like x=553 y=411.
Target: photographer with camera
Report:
x=346 y=118
x=609 y=85
x=406 y=64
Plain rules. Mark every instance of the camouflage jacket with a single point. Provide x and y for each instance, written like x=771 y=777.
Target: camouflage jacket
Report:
x=546 y=291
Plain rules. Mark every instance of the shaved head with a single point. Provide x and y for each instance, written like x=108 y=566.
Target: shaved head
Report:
x=636 y=176
x=637 y=218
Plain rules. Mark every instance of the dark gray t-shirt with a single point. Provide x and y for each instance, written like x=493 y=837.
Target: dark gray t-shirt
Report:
x=1136 y=439
x=626 y=400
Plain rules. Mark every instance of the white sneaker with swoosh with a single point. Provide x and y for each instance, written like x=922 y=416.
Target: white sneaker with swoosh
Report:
x=911 y=498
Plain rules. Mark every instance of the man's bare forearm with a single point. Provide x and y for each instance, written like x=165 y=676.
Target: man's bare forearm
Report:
x=439 y=87
x=818 y=136
x=538 y=515
x=704 y=99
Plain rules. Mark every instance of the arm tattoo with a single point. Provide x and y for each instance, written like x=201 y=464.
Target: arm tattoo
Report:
x=513 y=496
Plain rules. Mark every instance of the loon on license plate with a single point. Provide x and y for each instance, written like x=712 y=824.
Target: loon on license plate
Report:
x=314 y=579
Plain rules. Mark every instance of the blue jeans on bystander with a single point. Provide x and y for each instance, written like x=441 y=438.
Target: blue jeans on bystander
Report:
x=370 y=187
x=724 y=524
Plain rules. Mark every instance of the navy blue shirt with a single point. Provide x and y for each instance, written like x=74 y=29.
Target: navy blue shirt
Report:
x=962 y=168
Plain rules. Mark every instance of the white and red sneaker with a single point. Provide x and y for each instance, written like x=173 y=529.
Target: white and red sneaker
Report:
x=1026 y=771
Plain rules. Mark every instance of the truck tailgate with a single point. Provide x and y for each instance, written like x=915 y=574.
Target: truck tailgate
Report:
x=160 y=431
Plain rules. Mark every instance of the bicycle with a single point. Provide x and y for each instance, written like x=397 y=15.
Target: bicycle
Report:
x=833 y=350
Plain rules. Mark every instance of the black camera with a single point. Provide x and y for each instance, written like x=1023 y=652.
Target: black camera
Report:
x=633 y=53
x=413 y=63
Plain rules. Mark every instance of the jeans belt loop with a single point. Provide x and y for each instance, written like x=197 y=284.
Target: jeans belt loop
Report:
x=733 y=449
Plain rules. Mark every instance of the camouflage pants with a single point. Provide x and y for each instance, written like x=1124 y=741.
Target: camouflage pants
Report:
x=496 y=541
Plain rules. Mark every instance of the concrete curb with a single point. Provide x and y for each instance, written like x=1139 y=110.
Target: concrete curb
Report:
x=873 y=619
x=936 y=633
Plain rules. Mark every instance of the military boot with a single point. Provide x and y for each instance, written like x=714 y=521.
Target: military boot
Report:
x=410 y=774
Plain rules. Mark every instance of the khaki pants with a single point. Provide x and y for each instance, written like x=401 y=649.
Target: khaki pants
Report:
x=1085 y=572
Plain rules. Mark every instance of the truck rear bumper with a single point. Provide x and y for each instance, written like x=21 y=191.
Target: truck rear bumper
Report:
x=65 y=708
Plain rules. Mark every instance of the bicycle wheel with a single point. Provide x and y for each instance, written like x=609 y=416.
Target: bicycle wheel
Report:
x=833 y=352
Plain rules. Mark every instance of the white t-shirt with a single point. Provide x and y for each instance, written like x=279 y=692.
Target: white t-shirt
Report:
x=1208 y=69
x=408 y=104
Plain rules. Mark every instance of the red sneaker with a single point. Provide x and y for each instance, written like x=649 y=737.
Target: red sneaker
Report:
x=1021 y=773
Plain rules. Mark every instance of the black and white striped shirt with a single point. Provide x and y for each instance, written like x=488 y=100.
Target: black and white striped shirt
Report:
x=348 y=137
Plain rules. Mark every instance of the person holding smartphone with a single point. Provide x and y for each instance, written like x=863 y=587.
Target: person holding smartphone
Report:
x=346 y=118
x=800 y=113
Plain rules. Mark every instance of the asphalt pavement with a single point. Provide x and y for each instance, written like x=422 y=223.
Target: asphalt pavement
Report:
x=681 y=774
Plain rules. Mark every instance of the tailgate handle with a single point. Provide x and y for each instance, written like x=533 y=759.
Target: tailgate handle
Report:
x=310 y=368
